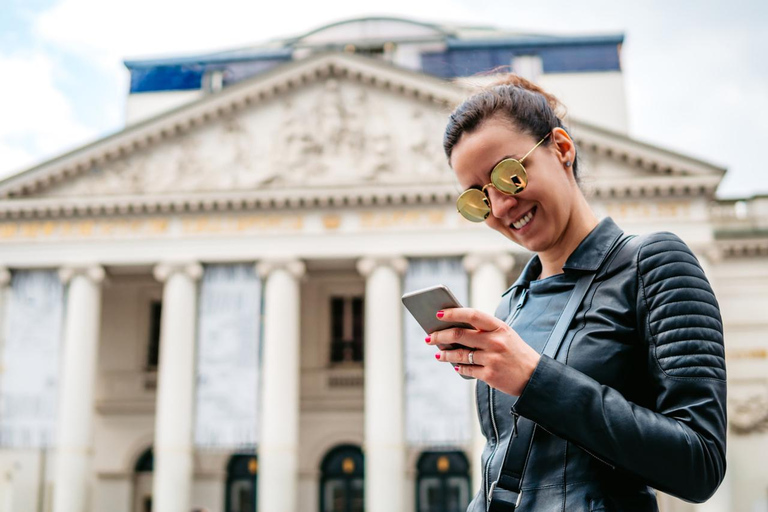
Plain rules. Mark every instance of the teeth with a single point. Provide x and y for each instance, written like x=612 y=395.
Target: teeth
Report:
x=525 y=220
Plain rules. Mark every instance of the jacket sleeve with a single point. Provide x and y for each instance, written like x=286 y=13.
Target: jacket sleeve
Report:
x=678 y=446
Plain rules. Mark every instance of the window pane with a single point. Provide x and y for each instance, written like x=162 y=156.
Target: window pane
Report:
x=335 y=496
x=358 y=315
x=430 y=498
x=337 y=329
x=456 y=494
x=153 y=351
x=241 y=495
x=356 y=496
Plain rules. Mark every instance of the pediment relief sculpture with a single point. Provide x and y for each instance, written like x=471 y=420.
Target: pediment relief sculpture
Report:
x=336 y=134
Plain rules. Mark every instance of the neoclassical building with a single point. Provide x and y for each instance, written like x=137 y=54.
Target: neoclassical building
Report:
x=202 y=310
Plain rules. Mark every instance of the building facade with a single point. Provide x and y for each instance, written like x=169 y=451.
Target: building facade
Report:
x=202 y=311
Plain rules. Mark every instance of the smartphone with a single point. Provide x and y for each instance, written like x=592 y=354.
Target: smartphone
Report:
x=424 y=305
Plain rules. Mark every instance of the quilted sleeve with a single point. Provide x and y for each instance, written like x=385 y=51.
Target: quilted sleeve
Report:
x=678 y=444
x=678 y=311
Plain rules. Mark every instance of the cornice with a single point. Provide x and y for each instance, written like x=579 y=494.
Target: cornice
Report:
x=653 y=187
x=269 y=200
x=743 y=248
x=383 y=195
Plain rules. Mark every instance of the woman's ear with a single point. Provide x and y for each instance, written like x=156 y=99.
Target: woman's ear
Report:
x=564 y=147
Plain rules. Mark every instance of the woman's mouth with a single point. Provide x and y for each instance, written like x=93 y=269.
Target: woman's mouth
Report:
x=524 y=220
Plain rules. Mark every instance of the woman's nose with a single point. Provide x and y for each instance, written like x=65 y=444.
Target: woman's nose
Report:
x=500 y=202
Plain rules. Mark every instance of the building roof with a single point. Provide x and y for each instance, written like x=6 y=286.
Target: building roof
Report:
x=458 y=51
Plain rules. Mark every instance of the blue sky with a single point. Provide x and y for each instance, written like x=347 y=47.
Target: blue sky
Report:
x=695 y=72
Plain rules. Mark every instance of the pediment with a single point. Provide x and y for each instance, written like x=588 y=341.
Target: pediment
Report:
x=327 y=125
x=331 y=133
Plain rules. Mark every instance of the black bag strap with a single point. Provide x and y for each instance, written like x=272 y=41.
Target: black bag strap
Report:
x=505 y=493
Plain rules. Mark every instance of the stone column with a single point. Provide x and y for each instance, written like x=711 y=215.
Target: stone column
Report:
x=173 y=448
x=5 y=281
x=487 y=281
x=6 y=479
x=385 y=469
x=278 y=481
x=78 y=375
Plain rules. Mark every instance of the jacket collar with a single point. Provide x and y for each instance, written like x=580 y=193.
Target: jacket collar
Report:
x=588 y=256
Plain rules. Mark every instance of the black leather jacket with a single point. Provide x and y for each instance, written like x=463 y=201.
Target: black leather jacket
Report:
x=637 y=397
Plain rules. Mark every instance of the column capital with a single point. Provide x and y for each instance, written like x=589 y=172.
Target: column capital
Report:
x=5 y=276
x=95 y=273
x=368 y=264
x=503 y=261
x=192 y=269
x=296 y=268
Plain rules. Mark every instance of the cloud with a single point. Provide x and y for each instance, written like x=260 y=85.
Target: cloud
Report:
x=38 y=119
x=113 y=31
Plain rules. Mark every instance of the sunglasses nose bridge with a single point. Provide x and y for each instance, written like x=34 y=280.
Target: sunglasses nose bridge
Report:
x=500 y=201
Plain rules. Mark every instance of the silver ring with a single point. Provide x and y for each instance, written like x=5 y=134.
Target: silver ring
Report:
x=471 y=357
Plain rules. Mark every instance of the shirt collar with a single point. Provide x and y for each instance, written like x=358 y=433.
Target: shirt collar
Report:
x=588 y=256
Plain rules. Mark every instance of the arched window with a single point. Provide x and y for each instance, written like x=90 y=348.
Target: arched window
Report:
x=341 y=483
x=443 y=482
x=242 y=472
x=142 y=481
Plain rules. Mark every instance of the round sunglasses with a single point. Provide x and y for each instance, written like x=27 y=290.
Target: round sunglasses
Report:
x=508 y=177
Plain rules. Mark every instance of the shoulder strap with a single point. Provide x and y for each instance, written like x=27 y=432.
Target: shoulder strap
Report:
x=505 y=492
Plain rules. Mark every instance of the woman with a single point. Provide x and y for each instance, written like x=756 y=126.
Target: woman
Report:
x=632 y=395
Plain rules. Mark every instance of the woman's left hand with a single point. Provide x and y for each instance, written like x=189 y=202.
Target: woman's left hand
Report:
x=501 y=358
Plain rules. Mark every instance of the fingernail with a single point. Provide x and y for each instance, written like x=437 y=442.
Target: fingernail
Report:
x=440 y=314
x=456 y=368
x=437 y=356
x=428 y=339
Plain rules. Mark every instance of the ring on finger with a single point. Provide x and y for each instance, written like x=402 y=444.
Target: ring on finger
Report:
x=471 y=357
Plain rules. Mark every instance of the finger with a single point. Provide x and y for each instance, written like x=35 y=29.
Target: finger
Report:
x=476 y=318
x=467 y=370
x=457 y=336
x=460 y=356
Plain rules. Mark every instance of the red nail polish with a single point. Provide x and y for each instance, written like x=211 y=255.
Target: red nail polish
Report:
x=428 y=339
x=437 y=356
x=440 y=314
x=456 y=368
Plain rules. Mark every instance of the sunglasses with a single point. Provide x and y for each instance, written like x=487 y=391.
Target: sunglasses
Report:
x=508 y=177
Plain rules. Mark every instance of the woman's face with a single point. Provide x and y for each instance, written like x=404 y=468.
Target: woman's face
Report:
x=538 y=217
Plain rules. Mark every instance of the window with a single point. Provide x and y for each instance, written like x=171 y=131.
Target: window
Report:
x=347 y=329
x=213 y=80
x=153 y=351
x=242 y=472
x=142 y=481
x=529 y=67
x=341 y=481
x=443 y=482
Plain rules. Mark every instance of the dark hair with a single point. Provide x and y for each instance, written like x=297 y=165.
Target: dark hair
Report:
x=524 y=104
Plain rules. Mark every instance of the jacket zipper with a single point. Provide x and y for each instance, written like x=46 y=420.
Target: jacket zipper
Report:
x=491 y=407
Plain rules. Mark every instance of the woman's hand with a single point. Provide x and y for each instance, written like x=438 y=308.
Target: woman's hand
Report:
x=501 y=358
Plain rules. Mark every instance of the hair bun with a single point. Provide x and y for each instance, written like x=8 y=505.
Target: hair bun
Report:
x=513 y=80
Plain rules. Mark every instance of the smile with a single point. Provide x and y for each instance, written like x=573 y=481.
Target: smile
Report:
x=525 y=219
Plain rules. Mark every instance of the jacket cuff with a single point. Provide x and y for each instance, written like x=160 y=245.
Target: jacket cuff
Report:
x=540 y=391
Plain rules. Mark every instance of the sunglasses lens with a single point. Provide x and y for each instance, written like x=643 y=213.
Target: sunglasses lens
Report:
x=509 y=176
x=473 y=205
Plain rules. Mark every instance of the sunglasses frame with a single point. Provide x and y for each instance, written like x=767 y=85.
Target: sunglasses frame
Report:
x=494 y=179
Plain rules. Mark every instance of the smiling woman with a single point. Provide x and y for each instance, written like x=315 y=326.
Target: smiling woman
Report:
x=487 y=135
x=602 y=375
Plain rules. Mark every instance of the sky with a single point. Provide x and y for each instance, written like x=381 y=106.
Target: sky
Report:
x=695 y=73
